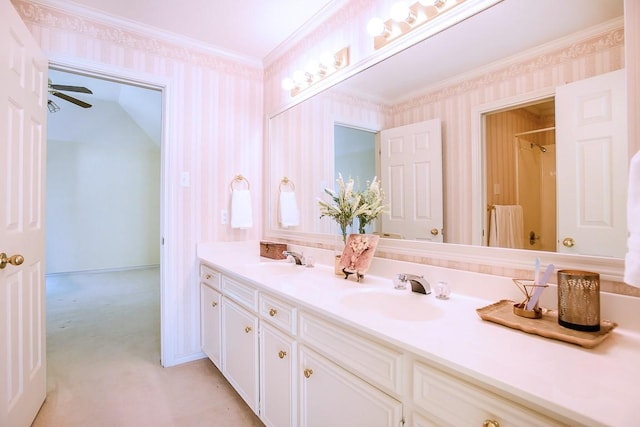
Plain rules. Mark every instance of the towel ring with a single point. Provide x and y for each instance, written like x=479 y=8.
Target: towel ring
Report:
x=238 y=178
x=286 y=182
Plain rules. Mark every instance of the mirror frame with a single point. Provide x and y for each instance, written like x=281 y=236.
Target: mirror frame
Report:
x=509 y=261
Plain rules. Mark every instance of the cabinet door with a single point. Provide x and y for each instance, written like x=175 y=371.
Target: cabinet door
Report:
x=277 y=369
x=210 y=323
x=240 y=351
x=331 y=396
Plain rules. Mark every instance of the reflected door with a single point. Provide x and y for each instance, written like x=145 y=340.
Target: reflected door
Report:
x=591 y=131
x=23 y=91
x=411 y=173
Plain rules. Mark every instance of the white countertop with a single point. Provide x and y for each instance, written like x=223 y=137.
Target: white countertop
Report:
x=599 y=386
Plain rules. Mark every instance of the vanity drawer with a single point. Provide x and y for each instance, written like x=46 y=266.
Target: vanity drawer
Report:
x=278 y=313
x=452 y=401
x=372 y=361
x=210 y=277
x=240 y=293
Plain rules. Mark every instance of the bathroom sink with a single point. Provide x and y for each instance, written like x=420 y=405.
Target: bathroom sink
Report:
x=393 y=304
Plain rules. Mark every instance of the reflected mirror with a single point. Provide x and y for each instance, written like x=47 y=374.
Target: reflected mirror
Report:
x=486 y=64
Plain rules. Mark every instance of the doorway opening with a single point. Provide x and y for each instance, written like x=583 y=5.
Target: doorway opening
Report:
x=104 y=176
x=520 y=176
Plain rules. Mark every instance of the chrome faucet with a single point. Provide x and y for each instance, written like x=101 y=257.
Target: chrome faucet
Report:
x=298 y=258
x=418 y=283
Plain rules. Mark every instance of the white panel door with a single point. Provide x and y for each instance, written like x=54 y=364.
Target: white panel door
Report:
x=23 y=90
x=411 y=174
x=591 y=152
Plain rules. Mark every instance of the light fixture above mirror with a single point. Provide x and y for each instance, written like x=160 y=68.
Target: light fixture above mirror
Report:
x=404 y=19
x=316 y=70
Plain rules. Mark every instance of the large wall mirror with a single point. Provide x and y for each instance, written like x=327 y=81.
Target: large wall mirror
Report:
x=456 y=76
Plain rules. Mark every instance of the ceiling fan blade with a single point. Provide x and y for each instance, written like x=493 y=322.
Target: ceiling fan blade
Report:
x=71 y=99
x=70 y=88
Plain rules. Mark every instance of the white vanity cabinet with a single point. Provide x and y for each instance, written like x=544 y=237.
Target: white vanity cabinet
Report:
x=346 y=379
x=445 y=399
x=278 y=362
x=332 y=396
x=300 y=367
x=210 y=314
x=240 y=357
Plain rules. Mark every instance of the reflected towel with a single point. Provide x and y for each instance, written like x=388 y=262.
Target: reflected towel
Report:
x=289 y=214
x=241 y=214
x=505 y=228
x=632 y=259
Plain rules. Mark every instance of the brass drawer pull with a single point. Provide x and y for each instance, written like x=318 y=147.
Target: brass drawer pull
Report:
x=213 y=304
x=490 y=423
x=282 y=354
x=208 y=276
x=247 y=329
x=273 y=312
x=308 y=372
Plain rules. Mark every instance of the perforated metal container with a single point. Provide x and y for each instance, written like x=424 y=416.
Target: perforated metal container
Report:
x=579 y=300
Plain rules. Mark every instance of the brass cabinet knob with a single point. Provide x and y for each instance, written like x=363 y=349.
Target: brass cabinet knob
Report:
x=213 y=304
x=13 y=260
x=490 y=423
x=569 y=242
x=308 y=372
x=434 y=231
x=273 y=312
x=282 y=354
x=247 y=329
x=208 y=276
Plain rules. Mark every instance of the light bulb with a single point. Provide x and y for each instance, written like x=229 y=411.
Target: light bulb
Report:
x=300 y=77
x=400 y=12
x=328 y=60
x=313 y=67
x=376 y=27
x=288 y=83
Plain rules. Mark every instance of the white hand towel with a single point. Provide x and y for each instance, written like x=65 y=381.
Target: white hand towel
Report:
x=632 y=259
x=241 y=214
x=289 y=214
x=506 y=228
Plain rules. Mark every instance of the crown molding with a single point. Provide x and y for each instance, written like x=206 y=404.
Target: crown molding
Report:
x=43 y=8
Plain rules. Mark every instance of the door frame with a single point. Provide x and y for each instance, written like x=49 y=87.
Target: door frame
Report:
x=168 y=317
x=478 y=159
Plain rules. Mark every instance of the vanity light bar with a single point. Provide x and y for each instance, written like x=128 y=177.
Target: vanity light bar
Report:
x=406 y=19
x=316 y=71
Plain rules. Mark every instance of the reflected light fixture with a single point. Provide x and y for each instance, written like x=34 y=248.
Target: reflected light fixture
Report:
x=317 y=70
x=405 y=18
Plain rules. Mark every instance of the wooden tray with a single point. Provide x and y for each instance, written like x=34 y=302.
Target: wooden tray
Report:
x=547 y=326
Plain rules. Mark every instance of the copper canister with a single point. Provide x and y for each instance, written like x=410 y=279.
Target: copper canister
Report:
x=579 y=300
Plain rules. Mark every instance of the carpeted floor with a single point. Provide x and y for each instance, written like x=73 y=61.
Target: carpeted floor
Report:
x=103 y=356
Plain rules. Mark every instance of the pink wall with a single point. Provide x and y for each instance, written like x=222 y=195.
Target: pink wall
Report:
x=213 y=128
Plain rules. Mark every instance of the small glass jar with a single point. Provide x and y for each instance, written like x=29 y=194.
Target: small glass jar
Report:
x=442 y=290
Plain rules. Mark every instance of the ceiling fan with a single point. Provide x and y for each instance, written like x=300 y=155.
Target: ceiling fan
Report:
x=55 y=91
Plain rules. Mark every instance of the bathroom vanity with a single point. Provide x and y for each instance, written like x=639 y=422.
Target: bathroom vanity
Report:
x=305 y=347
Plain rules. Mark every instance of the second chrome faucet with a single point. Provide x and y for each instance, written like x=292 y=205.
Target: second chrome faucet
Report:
x=418 y=283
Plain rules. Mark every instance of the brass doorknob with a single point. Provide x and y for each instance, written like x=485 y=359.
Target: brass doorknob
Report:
x=308 y=372
x=13 y=260
x=569 y=242
x=282 y=354
x=434 y=231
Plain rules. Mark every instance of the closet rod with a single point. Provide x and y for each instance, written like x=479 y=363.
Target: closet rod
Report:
x=535 y=131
